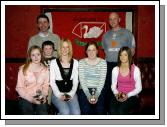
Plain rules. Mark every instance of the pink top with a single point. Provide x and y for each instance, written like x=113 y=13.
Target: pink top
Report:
x=126 y=83
x=28 y=84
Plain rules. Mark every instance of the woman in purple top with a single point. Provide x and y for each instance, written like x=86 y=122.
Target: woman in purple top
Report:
x=126 y=84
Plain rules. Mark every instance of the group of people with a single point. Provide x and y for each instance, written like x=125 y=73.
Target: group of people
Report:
x=90 y=86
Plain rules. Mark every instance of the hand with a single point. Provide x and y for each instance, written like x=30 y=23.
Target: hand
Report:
x=36 y=101
x=67 y=97
x=62 y=97
x=43 y=99
x=121 y=97
x=93 y=100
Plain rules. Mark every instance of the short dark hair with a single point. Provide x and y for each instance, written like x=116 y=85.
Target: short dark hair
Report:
x=48 y=43
x=42 y=16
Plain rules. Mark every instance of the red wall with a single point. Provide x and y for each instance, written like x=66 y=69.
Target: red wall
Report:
x=20 y=24
x=146 y=31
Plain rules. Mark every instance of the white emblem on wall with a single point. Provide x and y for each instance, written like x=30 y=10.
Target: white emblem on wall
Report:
x=89 y=32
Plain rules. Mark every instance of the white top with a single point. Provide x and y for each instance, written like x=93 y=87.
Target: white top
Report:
x=137 y=78
x=56 y=75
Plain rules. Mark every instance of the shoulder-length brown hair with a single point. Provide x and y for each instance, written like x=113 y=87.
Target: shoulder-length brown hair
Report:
x=28 y=60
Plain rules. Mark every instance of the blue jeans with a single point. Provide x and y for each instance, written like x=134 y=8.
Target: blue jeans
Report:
x=28 y=108
x=67 y=107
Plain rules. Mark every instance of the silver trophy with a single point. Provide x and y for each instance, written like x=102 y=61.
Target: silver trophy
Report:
x=92 y=92
x=39 y=96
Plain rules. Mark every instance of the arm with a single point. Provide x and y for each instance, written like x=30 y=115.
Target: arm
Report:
x=45 y=87
x=30 y=43
x=133 y=45
x=74 y=79
x=138 y=86
x=114 y=80
x=53 y=75
x=21 y=87
x=103 y=73
x=83 y=80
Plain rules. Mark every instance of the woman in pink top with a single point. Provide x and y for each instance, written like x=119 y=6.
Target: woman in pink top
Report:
x=126 y=84
x=33 y=83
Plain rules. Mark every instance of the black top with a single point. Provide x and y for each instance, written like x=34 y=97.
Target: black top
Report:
x=65 y=85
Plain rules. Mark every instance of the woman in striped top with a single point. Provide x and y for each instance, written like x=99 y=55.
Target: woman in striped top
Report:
x=92 y=74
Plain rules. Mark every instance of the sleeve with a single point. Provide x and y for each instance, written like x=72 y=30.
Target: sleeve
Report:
x=83 y=80
x=103 y=73
x=45 y=86
x=133 y=41
x=138 y=85
x=75 y=79
x=114 y=80
x=57 y=41
x=53 y=77
x=103 y=42
x=30 y=43
x=21 y=88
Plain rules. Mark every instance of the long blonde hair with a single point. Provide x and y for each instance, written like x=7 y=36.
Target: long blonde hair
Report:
x=70 y=54
x=28 y=60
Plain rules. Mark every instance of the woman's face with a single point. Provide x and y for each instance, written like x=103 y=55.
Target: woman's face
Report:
x=65 y=49
x=35 y=56
x=91 y=52
x=124 y=57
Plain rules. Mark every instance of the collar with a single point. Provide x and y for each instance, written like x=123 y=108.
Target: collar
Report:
x=42 y=34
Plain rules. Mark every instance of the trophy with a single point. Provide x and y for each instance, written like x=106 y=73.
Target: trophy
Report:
x=67 y=97
x=92 y=92
x=121 y=95
x=39 y=96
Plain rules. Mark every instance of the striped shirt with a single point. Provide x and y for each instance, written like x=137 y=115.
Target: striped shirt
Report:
x=92 y=76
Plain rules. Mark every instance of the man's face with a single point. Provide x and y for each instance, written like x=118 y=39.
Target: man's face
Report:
x=43 y=24
x=47 y=51
x=114 y=20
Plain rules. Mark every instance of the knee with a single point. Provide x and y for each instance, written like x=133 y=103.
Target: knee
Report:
x=76 y=112
x=64 y=112
x=100 y=110
x=85 y=111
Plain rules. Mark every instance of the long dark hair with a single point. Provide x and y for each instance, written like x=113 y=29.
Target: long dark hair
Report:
x=128 y=50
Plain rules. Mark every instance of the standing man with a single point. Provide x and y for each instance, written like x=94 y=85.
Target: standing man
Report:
x=44 y=34
x=112 y=41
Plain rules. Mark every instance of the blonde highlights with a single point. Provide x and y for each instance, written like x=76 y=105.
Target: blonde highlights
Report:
x=28 y=60
x=70 y=53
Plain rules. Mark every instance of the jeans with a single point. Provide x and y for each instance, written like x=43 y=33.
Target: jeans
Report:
x=28 y=108
x=67 y=107
x=91 y=109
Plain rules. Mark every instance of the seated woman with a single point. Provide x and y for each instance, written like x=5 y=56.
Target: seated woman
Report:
x=33 y=83
x=126 y=84
x=92 y=74
x=64 y=80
